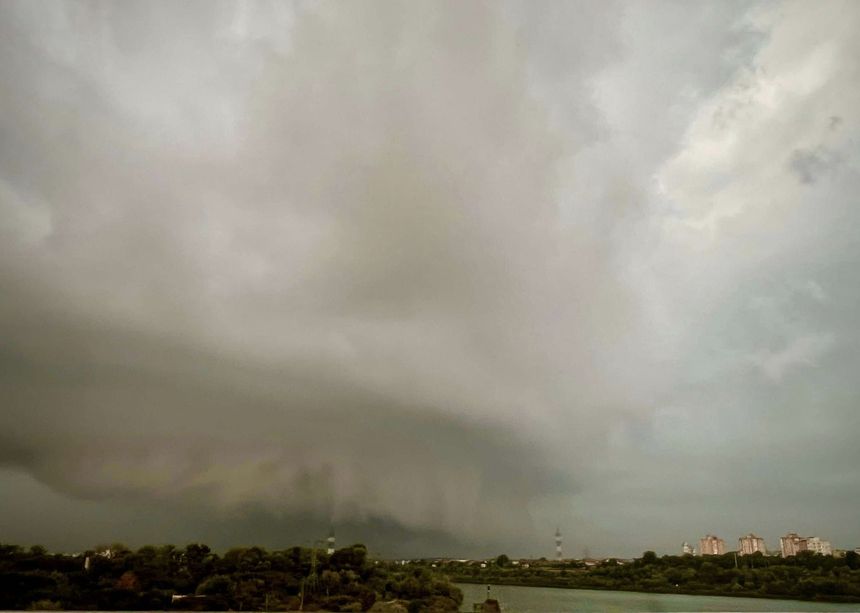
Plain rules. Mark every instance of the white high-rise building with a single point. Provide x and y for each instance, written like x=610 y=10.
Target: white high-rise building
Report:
x=813 y=543
x=687 y=549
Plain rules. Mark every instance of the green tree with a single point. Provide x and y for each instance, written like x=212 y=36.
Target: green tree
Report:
x=219 y=585
x=649 y=558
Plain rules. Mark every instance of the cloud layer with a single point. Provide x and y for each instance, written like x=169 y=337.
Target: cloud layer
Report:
x=444 y=275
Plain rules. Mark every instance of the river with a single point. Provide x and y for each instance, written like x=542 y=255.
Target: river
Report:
x=518 y=599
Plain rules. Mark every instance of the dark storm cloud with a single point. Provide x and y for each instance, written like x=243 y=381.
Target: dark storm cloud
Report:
x=408 y=271
x=339 y=296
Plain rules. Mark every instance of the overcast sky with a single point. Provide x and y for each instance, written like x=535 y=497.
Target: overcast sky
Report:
x=442 y=275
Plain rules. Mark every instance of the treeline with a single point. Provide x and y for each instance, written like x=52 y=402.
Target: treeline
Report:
x=196 y=578
x=804 y=577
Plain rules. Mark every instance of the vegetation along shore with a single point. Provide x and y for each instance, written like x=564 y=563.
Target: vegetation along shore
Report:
x=196 y=578
x=301 y=578
x=806 y=576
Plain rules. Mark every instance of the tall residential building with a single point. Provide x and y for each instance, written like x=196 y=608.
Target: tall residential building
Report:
x=712 y=545
x=687 y=549
x=791 y=544
x=750 y=544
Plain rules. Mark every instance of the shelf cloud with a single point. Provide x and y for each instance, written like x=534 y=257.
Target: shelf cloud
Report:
x=444 y=276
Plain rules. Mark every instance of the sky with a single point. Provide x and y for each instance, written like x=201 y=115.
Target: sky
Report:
x=441 y=276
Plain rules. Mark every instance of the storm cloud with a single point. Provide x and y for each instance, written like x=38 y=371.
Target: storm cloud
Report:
x=444 y=276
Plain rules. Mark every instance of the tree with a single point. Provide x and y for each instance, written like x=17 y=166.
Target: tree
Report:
x=247 y=579
x=649 y=558
x=128 y=581
x=219 y=585
x=330 y=580
x=349 y=557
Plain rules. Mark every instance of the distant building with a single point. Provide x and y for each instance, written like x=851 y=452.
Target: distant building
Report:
x=817 y=545
x=712 y=545
x=792 y=544
x=687 y=549
x=750 y=544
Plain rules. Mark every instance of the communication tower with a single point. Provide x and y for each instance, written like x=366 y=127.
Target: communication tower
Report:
x=558 y=543
x=330 y=542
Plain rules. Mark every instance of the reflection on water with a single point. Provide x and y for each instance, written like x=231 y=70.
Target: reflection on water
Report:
x=554 y=600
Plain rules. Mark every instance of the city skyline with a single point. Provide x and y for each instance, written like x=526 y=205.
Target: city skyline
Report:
x=445 y=276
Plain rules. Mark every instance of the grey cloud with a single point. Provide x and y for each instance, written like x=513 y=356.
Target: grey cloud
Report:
x=352 y=296
x=408 y=271
x=810 y=165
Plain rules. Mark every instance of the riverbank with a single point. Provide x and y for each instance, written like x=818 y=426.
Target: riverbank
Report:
x=667 y=591
x=522 y=599
x=813 y=578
